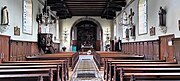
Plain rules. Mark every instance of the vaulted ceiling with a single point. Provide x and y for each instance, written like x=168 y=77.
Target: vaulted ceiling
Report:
x=101 y=8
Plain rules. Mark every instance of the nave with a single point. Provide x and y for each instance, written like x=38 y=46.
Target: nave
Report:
x=98 y=66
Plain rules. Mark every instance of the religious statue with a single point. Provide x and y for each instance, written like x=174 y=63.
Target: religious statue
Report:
x=162 y=17
x=131 y=17
x=132 y=30
x=4 y=16
x=118 y=46
x=127 y=33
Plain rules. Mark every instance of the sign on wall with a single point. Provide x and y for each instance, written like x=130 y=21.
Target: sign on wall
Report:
x=27 y=17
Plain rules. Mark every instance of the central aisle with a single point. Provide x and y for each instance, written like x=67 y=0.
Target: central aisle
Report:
x=86 y=70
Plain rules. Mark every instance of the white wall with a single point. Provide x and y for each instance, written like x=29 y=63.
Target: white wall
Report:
x=173 y=15
x=15 y=18
x=15 y=8
x=68 y=23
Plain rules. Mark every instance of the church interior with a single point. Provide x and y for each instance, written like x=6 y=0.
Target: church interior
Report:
x=89 y=40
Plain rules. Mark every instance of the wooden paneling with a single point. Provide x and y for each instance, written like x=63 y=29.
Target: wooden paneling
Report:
x=148 y=48
x=176 y=46
x=4 y=48
x=20 y=49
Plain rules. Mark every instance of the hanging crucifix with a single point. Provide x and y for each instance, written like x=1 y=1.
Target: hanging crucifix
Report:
x=132 y=26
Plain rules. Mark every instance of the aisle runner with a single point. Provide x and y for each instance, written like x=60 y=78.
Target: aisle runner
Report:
x=86 y=70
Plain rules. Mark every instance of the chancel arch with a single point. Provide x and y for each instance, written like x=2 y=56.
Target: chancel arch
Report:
x=86 y=30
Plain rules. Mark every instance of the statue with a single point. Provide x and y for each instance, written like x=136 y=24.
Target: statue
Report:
x=4 y=16
x=133 y=30
x=162 y=17
x=127 y=33
x=131 y=16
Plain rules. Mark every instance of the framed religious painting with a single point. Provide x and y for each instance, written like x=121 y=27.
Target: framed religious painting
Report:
x=142 y=17
x=27 y=17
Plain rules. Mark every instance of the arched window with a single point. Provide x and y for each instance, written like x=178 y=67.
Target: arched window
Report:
x=142 y=12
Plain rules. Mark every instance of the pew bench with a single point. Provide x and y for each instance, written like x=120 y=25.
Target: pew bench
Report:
x=150 y=76
x=59 y=70
x=106 y=62
x=71 y=57
x=24 y=77
x=120 y=71
x=104 y=57
x=63 y=63
x=27 y=75
x=110 y=67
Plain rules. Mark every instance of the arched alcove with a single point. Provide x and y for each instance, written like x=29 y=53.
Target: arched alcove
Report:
x=86 y=30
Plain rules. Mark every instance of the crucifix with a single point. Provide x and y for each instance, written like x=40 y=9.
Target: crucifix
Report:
x=132 y=27
x=131 y=16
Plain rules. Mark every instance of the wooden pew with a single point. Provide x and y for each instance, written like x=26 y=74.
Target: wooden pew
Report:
x=26 y=75
x=63 y=63
x=110 y=67
x=117 y=71
x=149 y=76
x=35 y=61
x=106 y=62
x=142 y=66
x=58 y=56
x=120 y=56
x=23 y=77
x=59 y=70
x=116 y=55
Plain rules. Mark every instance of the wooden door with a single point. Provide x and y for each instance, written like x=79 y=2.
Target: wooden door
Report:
x=166 y=48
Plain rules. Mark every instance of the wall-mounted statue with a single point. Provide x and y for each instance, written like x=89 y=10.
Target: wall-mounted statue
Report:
x=4 y=16
x=127 y=33
x=131 y=16
x=162 y=17
x=133 y=28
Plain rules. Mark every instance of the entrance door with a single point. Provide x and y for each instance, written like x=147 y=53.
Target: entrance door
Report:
x=166 y=48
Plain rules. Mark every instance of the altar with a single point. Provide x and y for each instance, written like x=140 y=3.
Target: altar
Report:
x=86 y=46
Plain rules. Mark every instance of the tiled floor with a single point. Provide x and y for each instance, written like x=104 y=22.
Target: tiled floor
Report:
x=86 y=70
